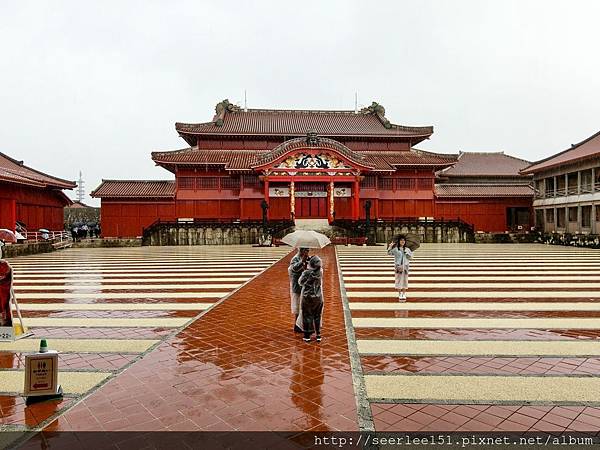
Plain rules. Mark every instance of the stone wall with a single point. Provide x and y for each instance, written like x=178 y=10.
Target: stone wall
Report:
x=428 y=233
x=431 y=232
x=184 y=235
x=14 y=250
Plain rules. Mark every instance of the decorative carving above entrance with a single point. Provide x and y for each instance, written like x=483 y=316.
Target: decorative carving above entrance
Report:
x=312 y=138
x=279 y=192
x=342 y=192
x=308 y=161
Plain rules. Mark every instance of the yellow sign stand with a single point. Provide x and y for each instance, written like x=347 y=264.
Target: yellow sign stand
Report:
x=41 y=375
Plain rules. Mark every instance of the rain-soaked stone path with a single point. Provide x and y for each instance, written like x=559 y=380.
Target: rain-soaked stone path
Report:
x=491 y=338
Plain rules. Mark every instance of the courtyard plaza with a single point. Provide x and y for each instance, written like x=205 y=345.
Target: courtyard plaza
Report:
x=491 y=338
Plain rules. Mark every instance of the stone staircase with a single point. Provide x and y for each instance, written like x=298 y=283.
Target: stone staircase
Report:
x=318 y=225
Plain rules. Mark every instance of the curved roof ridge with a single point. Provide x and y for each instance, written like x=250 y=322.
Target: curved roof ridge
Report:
x=136 y=181
x=442 y=155
x=50 y=180
x=319 y=142
x=232 y=120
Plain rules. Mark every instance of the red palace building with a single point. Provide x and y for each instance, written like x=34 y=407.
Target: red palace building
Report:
x=31 y=197
x=310 y=164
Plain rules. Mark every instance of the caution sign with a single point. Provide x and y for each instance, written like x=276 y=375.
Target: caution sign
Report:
x=41 y=374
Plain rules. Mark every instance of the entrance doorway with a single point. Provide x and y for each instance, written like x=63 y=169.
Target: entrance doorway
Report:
x=311 y=200
x=311 y=207
x=516 y=217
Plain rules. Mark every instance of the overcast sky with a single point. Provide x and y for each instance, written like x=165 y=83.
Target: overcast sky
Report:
x=96 y=86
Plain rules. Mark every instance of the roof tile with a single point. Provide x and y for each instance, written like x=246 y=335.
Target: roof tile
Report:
x=246 y=159
x=588 y=148
x=15 y=171
x=135 y=189
x=486 y=164
x=295 y=122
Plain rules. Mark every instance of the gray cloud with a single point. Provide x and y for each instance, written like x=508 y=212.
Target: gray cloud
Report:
x=97 y=86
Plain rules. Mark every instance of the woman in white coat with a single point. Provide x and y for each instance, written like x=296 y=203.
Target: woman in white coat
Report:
x=402 y=257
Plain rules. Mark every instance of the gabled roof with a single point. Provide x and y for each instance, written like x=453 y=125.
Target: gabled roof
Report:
x=14 y=171
x=232 y=120
x=313 y=142
x=244 y=160
x=233 y=160
x=135 y=189
x=485 y=164
x=588 y=148
x=482 y=190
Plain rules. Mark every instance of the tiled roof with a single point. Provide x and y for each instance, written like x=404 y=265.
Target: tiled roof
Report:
x=231 y=159
x=479 y=164
x=483 y=190
x=389 y=160
x=237 y=160
x=233 y=120
x=587 y=148
x=135 y=189
x=14 y=171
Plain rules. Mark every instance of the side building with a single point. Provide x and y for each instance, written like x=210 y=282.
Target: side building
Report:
x=31 y=197
x=487 y=191
x=567 y=189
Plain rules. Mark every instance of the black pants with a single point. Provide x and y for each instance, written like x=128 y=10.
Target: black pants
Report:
x=312 y=307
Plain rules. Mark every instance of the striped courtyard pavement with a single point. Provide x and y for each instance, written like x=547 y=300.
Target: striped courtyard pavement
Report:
x=102 y=309
x=491 y=338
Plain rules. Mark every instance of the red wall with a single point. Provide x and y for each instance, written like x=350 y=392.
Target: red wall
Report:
x=37 y=208
x=279 y=208
x=128 y=218
x=485 y=214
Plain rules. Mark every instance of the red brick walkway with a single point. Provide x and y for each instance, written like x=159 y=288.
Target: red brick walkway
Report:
x=238 y=367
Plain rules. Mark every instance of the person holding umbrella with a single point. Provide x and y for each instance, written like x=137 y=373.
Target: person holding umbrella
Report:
x=402 y=256
x=304 y=240
x=298 y=265
x=312 y=298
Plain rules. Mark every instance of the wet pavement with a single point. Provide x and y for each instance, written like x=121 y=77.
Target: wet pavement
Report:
x=200 y=351
x=529 y=298
x=105 y=308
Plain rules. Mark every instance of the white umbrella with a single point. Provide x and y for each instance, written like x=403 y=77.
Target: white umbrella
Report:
x=306 y=239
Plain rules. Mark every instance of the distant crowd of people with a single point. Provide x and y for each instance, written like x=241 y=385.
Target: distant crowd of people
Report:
x=79 y=232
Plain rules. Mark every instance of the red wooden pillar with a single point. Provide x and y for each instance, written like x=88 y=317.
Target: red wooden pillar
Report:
x=356 y=201
x=330 y=202
x=266 y=182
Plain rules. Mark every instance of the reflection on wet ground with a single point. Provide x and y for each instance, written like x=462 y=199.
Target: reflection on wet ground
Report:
x=476 y=275
x=106 y=307
x=239 y=367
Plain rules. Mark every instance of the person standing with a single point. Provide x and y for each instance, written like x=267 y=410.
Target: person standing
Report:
x=402 y=257
x=297 y=265
x=312 y=298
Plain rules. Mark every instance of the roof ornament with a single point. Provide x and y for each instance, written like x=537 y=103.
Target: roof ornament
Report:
x=221 y=109
x=312 y=138
x=378 y=110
